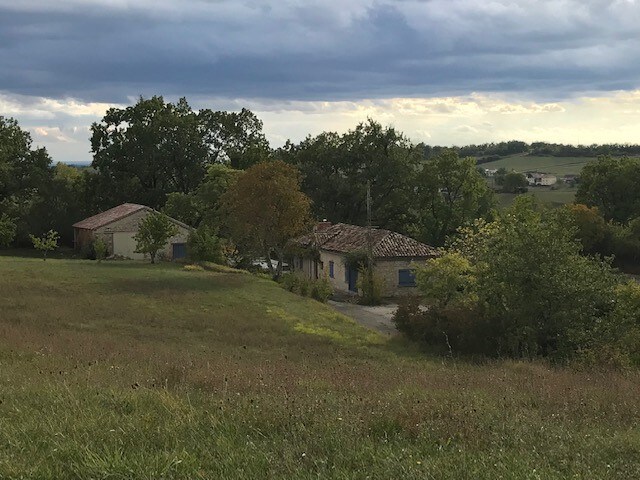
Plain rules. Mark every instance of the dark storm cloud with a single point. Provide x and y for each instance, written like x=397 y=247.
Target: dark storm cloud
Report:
x=112 y=50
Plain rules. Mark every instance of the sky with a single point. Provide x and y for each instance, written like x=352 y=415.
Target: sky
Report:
x=446 y=72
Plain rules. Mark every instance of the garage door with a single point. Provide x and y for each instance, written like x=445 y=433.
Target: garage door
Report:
x=179 y=250
x=124 y=245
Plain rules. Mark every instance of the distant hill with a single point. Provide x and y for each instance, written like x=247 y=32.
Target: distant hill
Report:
x=523 y=162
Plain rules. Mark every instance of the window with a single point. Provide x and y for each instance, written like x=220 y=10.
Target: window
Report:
x=406 y=278
x=331 y=269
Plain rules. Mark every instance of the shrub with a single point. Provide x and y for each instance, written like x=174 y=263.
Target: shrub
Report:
x=370 y=287
x=290 y=282
x=321 y=289
x=47 y=243
x=153 y=233
x=204 y=245
x=88 y=251
x=8 y=230
x=450 y=329
x=304 y=286
x=519 y=287
x=100 y=249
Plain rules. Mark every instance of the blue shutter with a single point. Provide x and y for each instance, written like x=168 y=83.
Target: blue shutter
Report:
x=406 y=278
x=331 y=269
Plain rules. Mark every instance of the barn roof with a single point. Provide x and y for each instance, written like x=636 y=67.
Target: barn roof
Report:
x=345 y=238
x=109 y=216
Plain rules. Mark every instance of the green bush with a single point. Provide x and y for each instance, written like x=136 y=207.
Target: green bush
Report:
x=321 y=289
x=304 y=286
x=8 y=230
x=204 y=245
x=47 y=243
x=370 y=287
x=100 y=249
x=519 y=287
x=290 y=282
x=449 y=329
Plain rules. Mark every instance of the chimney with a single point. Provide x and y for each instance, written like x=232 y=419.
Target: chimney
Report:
x=322 y=226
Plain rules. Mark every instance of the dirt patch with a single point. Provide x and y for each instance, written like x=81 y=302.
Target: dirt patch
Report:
x=379 y=318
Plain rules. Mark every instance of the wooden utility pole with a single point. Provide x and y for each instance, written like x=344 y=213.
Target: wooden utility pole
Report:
x=369 y=278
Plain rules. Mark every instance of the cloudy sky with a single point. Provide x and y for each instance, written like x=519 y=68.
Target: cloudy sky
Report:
x=442 y=71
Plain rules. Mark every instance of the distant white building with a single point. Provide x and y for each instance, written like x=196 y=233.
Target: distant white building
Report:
x=540 y=179
x=490 y=172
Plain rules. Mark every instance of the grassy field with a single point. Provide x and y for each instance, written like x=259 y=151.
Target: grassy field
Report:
x=555 y=165
x=126 y=370
x=544 y=195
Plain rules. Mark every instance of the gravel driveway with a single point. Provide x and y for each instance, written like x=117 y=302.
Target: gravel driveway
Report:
x=376 y=318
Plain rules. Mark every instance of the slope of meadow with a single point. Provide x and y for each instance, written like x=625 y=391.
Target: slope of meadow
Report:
x=126 y=370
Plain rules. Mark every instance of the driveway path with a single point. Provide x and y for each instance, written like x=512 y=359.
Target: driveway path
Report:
x=376 y=318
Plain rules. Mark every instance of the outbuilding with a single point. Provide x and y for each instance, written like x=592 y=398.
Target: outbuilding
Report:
x=117 y=228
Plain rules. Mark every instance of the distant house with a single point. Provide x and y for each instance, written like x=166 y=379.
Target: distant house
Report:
x=571 y=179
x=325 y=252
x=117 y=227
x=542 y=179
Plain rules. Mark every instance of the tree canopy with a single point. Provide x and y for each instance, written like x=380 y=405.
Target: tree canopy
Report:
x=146 y=151
x=265 y=209
x=153 y=233
x=449 y=193
x=612 y=185
x=336 y=169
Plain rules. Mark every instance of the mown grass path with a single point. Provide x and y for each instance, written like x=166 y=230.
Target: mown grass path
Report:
x=127 y=370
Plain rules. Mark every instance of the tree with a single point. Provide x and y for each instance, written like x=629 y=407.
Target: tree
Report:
x=518 y=286
x=592 y=229
x=205 y=245
x=514 y=182
x=7 y=230
x=235 y=138
x=446 y=280
x=265 y=209
x=450 y=193
x=149 y=150
x=47 y=243
x=25 y=182
x=612 y=185
x=153 y=233
x=201 y=207
x=336 y=168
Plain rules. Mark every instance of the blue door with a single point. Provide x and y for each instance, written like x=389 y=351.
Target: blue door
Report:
x=179 y=250
x=352 y=278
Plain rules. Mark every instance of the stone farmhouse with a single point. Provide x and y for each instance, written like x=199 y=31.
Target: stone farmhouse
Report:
x=542 y=179
x=325 y=252
x=117 y=227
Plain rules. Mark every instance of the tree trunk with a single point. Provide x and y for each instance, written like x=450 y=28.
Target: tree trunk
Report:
x=153 y=257
x=267 y=256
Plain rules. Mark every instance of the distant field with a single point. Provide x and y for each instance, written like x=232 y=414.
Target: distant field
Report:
x=555 y=165
x=544 y=195
x=126 y=370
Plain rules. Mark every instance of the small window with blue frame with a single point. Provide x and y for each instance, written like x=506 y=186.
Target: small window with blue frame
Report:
x=406 y=278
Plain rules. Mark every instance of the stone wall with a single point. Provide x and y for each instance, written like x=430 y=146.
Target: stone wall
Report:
x=385 y=269
x=388 y=270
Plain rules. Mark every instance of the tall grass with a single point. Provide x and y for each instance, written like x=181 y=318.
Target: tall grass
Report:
x=125 y=370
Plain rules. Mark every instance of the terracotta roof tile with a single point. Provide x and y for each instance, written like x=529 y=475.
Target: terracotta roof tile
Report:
x=111 y=215
x=345 y=238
